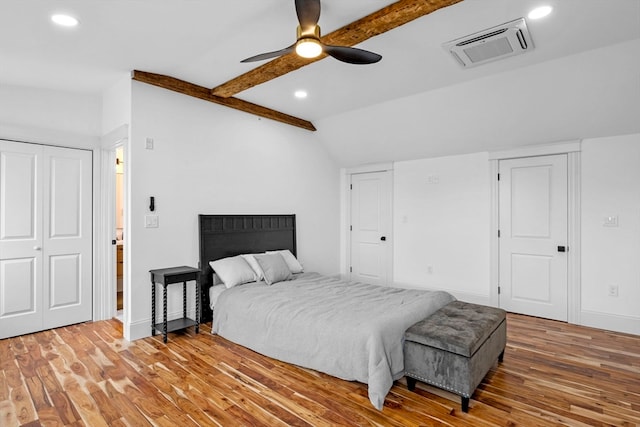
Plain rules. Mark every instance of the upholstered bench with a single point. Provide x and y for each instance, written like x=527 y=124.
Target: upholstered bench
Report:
x=455 y=347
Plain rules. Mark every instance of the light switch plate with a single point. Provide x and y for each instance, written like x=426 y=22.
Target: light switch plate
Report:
x=610 y=221
x=151 y=221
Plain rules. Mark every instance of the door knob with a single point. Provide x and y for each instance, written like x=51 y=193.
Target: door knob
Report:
x=36 y=248
x=383 y=238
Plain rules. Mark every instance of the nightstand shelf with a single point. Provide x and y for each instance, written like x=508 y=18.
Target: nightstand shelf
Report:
x=166 y=277
x=176 y=325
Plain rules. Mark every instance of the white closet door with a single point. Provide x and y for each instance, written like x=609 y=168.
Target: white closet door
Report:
x=20 y=238
x=67 y=237
x=45 y=237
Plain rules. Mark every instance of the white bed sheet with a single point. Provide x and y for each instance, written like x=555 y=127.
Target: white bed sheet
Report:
x=214 y=294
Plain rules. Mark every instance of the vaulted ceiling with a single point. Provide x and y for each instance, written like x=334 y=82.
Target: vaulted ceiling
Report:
x=201 y=42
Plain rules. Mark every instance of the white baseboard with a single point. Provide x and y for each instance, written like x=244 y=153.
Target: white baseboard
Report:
x=610 y=322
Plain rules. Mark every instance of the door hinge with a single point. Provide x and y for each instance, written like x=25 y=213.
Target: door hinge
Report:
x=498 y=233
x=498 y=290
x=350 y=269
x=350 y=186
x=351 y=228
x=498 y=177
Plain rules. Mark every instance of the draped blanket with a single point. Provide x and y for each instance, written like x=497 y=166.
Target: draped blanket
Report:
x=349 y=330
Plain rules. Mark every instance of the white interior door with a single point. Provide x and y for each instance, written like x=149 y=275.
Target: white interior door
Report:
x=20 y=238
x=371 y=227
x=45 y=237
x=533 y=236
x=67 y=237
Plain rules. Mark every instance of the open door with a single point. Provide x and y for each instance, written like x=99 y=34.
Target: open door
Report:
x=119 y=231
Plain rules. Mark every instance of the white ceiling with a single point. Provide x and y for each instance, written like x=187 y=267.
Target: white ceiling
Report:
x=203 y=41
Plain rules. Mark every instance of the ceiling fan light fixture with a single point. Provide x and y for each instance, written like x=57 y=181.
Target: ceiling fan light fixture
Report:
x=308 y=48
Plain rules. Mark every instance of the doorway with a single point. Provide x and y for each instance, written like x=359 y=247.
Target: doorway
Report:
x=119 y=240
x=119 y=232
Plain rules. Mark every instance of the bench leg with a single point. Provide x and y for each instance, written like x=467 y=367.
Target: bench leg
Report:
x=501 y=357
x=465 y=404
x=411 y=383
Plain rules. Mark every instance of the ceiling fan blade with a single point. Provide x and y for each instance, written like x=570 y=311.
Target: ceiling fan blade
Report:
x=308 y=12
x=270 y=55
x=352 y=55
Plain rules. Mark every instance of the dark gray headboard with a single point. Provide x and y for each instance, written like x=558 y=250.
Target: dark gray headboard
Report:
x=222 y=236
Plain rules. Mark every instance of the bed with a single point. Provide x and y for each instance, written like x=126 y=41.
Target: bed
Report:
x=349 y=330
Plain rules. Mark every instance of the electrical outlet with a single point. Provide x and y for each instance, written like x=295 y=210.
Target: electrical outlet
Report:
x=149 y=144
x=429 y=269
x=613 y=290
x=610 y=221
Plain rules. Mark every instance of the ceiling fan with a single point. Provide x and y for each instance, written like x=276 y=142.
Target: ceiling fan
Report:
x=308 y=44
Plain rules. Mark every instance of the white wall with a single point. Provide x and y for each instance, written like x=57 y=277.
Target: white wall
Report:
x=209 y=159
x=49 y=117
x=611 y=255
x=116 y=105
x=441 y=221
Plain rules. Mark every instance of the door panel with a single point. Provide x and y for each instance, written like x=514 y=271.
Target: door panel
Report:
x=533 y=200
x=20 y=238
x=370 y=227
x=67 y=229
x=19 y=192
x=531 y=278
x=20 y=273
x=64 y=281
x=530 y=204
x=65 y=196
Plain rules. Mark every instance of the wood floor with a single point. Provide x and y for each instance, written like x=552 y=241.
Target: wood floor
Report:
x=87 y=375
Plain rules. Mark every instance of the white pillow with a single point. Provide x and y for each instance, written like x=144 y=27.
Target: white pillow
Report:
x=291 y=260
x=274 y=267
x=233 y=271
x=254 y=265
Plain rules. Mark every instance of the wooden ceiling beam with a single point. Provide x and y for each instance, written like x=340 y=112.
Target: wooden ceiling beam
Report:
x=201 y=92
x=386 y=19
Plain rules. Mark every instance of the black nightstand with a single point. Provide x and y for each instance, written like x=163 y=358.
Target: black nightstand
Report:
x=165 y=277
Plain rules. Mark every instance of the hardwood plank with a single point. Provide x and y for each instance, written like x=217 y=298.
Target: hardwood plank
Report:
x=38 y=393
x=8 y=414
x=200 y=92
x=23 y=406
x=379 y=22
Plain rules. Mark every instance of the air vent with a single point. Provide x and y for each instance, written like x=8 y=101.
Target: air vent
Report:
x=502 y=41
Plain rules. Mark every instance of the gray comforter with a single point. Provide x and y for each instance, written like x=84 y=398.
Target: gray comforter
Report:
x=352 y=331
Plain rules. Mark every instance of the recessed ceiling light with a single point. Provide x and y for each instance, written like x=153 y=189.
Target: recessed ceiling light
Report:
x=300 y=94
x=540 y=12
x=64 y=20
